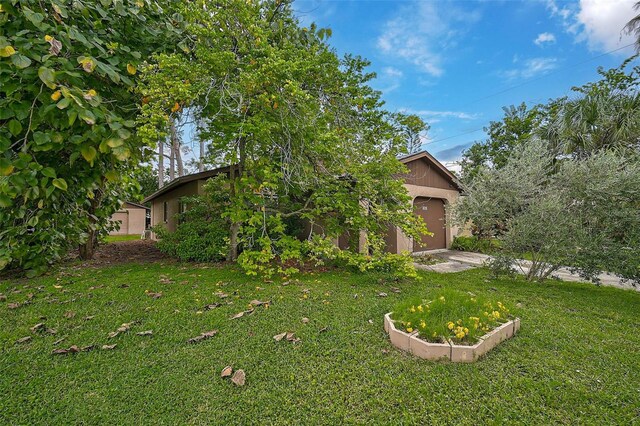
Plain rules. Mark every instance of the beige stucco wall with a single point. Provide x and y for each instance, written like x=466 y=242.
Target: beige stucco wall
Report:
x=398 y=242
x=132 y=221
x=173 y=203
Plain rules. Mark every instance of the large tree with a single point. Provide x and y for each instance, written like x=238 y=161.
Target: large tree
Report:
x=67 y=111
x=305 y=135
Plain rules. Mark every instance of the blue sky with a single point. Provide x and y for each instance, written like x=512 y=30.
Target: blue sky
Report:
x=457 y=63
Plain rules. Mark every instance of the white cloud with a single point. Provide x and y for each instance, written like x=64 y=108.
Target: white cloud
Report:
x=545 y=38
x=599 y=23
x=392 y=72
x=435 y=116
x=422 y=31
x=530 y=68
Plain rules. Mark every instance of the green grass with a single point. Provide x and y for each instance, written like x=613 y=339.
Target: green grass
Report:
x=575 y=359
x=117 y=238
x=450 y=314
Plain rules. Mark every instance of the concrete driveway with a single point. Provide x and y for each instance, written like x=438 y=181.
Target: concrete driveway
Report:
x=456 y=261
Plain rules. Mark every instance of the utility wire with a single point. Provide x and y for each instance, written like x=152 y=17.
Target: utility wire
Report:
x=523 y=84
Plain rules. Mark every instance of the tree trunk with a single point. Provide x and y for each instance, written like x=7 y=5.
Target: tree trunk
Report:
x=175 y=147
x=161 y=164
x=201 y=162
x=235 y=173
x=172 y=162
x=88 y=249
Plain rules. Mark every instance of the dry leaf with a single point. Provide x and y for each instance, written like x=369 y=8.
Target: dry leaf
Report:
x=238 y=315
x=109 y=347
x=24 y=339
x=305 y=320
x=87 y=348
x=211 y=306
x=145 y=333
x=280 y=336
x=14 y=305
x=70 y=350
x=69 y=314
x=382 y=294
x=221 y=295
x=227 y=371
x=112 y=334
x=51 y=330
x=89 y=318
x=154 y=295
x=370 y=321
x=37 y=327
x=257 y=303
x=322 y=330
x=238 y=378
x=124 y=327
x=57 y=342
x=3 y=298
x=395 y=289
x=202 y=336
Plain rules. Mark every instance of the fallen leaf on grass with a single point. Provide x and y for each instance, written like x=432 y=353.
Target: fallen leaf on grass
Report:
x=109 y=347
x=370 y=321
x=145 y=333
x=14 y=305
x=3 y=298
x=280 y=336
x=385 y=351
x=396 y=290
x=153 y=295
x=69 y=314
x=57 y=342
x=382 y=294
x=24 y=339
x=202 y=336
x=122 y=329
x=70 y=350
x=227 y=371
x=238 y=378
x=322 y=330
x=243 y=313
x=89 y=318
x=211 y=306
x=37 y=327
x=257 y=303
x=221 y=295
x=305 y=320
x=51 y=331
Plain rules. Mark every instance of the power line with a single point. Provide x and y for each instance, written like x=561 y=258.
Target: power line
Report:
x=520 y=85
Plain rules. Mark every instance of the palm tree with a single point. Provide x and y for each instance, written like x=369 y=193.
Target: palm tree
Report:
x=633 y=26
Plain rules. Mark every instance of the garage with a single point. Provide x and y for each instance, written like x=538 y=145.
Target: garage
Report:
x=432 y=211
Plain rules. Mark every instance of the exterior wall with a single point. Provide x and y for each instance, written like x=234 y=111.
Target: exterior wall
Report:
x=173 y=204
x=400 y=242
x=422 y=173
x=132 y=220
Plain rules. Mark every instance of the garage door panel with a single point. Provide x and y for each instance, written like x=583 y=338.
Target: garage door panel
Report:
x=432 y=211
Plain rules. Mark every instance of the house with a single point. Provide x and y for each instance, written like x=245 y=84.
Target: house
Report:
x=132 y=218
x=430 y=184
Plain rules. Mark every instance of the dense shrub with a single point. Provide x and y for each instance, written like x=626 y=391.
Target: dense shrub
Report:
x=475 y=244
x=201 y=236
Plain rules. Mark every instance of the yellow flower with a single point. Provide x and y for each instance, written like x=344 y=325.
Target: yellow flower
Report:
x=409 y=329
x=423 y=324
x=434 y=334
x=48 y=38
x=56 y=95
x=442 y=298
x=131 y=69
x=413 y=309
x=92 y=93
x=450 y=325
x=460 y=335
x=420 y=308
x=496 y=314
x=459 y=322
x=466 y=330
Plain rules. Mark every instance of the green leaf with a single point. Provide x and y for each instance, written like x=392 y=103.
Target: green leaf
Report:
x=64 y=102
x=5 y=201
x=6 y=168
x=20 y=61
x=47 y=76
x=35 y=17
x=15 y=127
x=49 y=172
x=115 y=142
x=87 y=116
x=60 y=184
x=89 y=153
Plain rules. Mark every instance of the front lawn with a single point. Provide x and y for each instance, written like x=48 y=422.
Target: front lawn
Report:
x=118 y=238
x=575 y=359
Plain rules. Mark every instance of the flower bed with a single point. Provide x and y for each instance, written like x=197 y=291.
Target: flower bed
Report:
x=454 y=325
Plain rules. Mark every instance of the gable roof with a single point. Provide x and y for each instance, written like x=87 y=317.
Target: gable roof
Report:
x=186 y=179
x=432 y=160
x=136 y=205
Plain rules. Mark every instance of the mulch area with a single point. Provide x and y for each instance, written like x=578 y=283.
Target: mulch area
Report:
x=136 y=251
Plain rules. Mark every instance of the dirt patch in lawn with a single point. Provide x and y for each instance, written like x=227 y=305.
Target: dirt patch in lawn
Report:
x=138 y=251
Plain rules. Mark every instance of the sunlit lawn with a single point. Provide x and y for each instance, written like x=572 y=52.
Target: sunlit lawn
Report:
x=575 y=360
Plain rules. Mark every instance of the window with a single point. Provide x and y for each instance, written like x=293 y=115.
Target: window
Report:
x=165 y=212
x=182 y=208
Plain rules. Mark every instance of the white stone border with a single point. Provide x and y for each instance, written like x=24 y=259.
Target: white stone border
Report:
x=411 y=343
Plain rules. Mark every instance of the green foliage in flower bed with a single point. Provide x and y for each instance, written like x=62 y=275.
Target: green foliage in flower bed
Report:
x=461 y=317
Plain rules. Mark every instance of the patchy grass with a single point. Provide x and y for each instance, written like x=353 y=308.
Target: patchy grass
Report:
x=118 y=238
x=575 y=359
